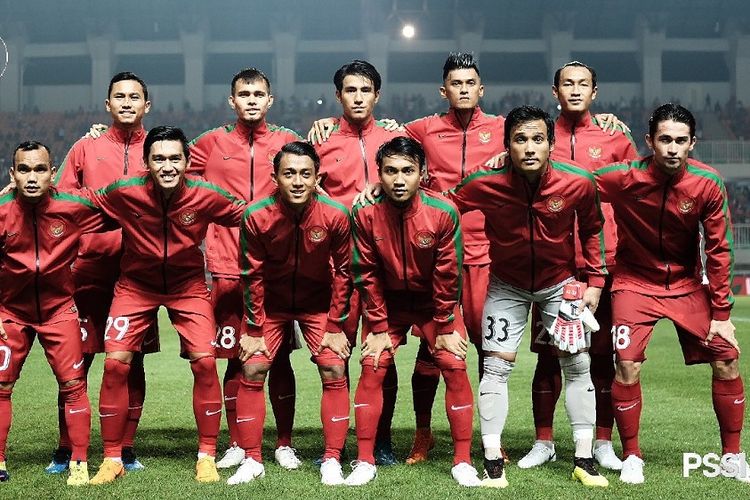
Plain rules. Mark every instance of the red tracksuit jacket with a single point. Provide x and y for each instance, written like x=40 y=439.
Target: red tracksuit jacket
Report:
x=94 y=164
x=347 y=158
x=591 y=147
x=286 y=261
x=408 y=258
x=453 y=150
x=162 y=238
x=657 y=218
x=239 y=160
x=38 y=243
x=531 y=231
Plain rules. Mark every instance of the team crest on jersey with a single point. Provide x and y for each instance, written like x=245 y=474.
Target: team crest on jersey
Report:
x=57 y=229
x=425 y=239
x=485 y=137
x=595 y=152
x=555 y=203
x=316 y=234
x=686 y=205
x=188 y=217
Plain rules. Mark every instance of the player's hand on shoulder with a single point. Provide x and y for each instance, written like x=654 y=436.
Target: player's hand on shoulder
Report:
x=724 y=329
x=497 y=161
x=250 y=346
x=96 y=131
x=609 y=122
x=7 y=189
x=336 y=342
x=453 y=343
x=368 y=194
x=3 y=335
x=321 y=130
x=391 y=125
x=374 y=345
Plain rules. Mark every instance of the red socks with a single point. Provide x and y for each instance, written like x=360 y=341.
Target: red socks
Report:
x=627 y=404
x=602 y=375
x=459 y=405
x=64 y=438
x=390 y=393
x=6 y=413
x=251 y=416
x=545 y=391
x=136 y=396
x=232 y=377
x=113 y=405
x=78 y=419
x=206 y=403
x=282 y=391
x=729 y=404
x=334 y=414
x=368 y=405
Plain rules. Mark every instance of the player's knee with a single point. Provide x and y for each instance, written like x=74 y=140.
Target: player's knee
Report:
x=203 y=366
x=71 y=383
x=547 y=365
x=7 y=386
x=331 y=372
x=121 y=356
x=576 y=366
x=496 y=370
x=628 y=372
x=255 y=372
x=602 y=366
x=726 y=369
x=494 y=381
x=448 y=361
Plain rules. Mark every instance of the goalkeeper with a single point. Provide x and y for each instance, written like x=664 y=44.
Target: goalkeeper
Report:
x=530 y=206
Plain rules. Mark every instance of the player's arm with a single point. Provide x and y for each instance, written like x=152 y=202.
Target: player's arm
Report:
x=200 y=151
x=366 y=273
x=89 y=217
x=610 y=180
x=473 y=192
x=591 y=234
x=224 y=208
x=252 y=257
x=68 y=175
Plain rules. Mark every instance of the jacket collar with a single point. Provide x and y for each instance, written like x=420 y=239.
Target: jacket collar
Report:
x=42 y=204
x=348 y=128
x=287 y=211
x=662 y=177
x=121 y=135
x=245 y=130
x=568 y=123
x=155 y=193
x=407 y=211
x=456 y=122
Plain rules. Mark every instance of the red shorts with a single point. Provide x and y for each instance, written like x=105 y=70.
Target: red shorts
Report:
x=93 y=297
x=276 y=331
x=399 y=323
x=601 y=341
x=60 y=337
x=133 y=313
x=634 y=316
x=474 y=294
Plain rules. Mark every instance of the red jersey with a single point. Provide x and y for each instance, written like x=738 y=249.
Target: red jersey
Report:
x=38 y=243
x=347 y=158
x=583 y=141
x=238 y=159
x=286 y=261
x=162 y=237
x=531 y=228
x=94 y=164
x=408 y=258
x=657 y=218
x=453 y=150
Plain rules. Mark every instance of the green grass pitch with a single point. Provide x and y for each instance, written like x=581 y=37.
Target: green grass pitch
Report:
x=677 y=418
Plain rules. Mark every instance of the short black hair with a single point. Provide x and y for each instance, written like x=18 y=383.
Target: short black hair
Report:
x=674 y=112
x=577 y=64
x=459 y=60
x=127 y=75
x=400 y=146
x=360 y=68
x=165 y=133
x=248 y=75
x=297 y=148
x=30 y=146
x=525 y=114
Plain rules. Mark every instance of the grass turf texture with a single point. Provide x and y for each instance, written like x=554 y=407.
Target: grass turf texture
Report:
x=677 y=418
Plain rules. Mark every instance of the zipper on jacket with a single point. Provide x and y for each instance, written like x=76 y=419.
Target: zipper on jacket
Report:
x=125 y=157
x=403 y=263
x=165 y=229
x=530 y=215
x=573 y=143
x=296 y=263
x=38 y=265
x=463 y=146
x=661 y=231
x=252 y=166
x=364 y=156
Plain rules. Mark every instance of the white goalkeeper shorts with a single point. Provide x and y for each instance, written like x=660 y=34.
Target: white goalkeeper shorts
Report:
x=506 y=312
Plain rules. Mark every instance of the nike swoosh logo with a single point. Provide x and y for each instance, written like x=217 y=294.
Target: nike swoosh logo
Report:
x=456 y=408
x=590 y=389
x=212 y=413
x=226 y=157
x=230 y=398
x=73 y=412
x=240 y=420
x=149 y=341
x=739 y=401
x=135 y=407
x=105 y=415
x=360 y=405
x=10 y=235
x=77 y=365
x=378 y=239
x=338 y=419
x=282 y=397
x=626 y=408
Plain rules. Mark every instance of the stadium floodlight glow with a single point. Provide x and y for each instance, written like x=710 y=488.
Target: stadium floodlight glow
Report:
x=408 y=30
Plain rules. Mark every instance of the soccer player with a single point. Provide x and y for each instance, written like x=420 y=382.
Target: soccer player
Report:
x=164 y=215
x=94 y=164
x=659 y=203
x=239 y=157
x=579 y=138
x=40 y=229
x=407 y=263
x=347 y=165
x=530 y=206
x=287 y=244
